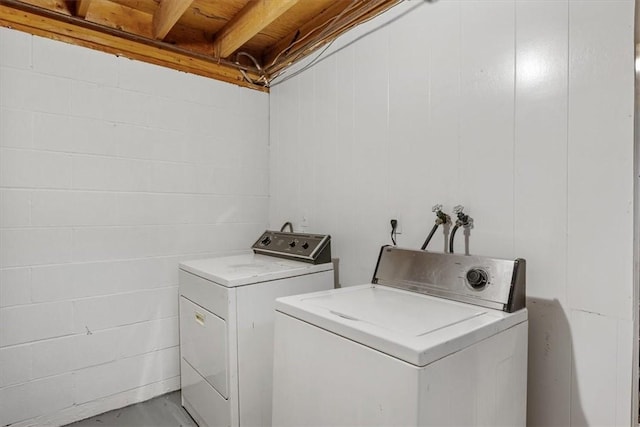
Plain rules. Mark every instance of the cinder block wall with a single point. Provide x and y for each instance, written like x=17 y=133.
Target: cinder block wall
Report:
x=111 y=171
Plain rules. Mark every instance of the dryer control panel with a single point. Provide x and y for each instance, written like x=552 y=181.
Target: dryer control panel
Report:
x=313 y=248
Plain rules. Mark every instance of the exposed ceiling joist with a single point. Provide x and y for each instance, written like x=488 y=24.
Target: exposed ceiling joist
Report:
x=82 y=6
x=197 y=36
x=252 y=19
x=120 y=17
x=59 y=6
x=77 y=31
x=166 y=16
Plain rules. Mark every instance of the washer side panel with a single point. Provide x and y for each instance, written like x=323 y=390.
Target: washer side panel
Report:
x=323 y=379
x=485 y=384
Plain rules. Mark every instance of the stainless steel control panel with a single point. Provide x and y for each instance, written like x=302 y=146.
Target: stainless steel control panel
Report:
x=314 y=248
x=488 y=282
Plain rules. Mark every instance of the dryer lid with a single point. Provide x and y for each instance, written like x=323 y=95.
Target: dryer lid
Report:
x=249 y=268
x=416 y=328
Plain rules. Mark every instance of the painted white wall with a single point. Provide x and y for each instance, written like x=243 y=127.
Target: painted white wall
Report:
x=522 y=111
x=111 y=171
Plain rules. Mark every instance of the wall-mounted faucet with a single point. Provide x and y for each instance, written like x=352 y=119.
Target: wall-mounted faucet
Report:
x=441 y=219
x=463 y=220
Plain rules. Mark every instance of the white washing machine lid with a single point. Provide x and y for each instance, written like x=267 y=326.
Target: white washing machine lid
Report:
x=248 y=268
x=416 y=328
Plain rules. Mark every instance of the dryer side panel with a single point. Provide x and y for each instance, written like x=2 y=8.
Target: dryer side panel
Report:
x=255 y=315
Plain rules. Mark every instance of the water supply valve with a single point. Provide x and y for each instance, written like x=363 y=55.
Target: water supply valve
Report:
x=463 y=220
x=441 y=217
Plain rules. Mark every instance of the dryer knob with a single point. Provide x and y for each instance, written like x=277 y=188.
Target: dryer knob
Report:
x=477 y=278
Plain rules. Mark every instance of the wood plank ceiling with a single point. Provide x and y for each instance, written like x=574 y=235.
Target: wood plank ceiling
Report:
x=246 y=42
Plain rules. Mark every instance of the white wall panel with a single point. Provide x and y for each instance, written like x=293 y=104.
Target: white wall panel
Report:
x=326 y=182
x=601 y=156
x=541 y=145
x=550 y=364
x=345 y=224
x=485 y=161
x=595 y=392
x=520 y=110
x=540 y=209
x=370 y=147
x=437 y=180
x=283 y=156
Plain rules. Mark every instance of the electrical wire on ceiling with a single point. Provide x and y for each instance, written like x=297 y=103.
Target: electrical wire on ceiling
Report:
x=287 y=49
x=306 y=67
x=325 y=24
x=334 y=36
x=354 y=13
x=262 y=79
x=333 y=28
x=333 y=32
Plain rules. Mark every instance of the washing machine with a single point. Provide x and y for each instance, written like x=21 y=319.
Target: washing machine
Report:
x=226 y=323
x=434 y=340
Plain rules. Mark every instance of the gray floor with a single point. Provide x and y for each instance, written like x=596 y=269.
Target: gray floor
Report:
x=162 y=411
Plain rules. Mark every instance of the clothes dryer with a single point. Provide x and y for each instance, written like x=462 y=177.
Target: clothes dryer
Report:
x=226 y=323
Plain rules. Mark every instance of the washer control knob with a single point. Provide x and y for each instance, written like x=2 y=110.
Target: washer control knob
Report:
x=266 y=241
x=477 y=278
x=305 y=245
x=292 y=244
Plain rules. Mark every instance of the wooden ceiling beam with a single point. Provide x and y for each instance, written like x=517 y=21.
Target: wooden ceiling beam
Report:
x=58 y=6
x=22 y=17
x=82 y=6
x=120 y=17
x=252 y=19
x=166 y=16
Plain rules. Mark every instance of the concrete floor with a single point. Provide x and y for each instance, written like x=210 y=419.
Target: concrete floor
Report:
x=162 y=411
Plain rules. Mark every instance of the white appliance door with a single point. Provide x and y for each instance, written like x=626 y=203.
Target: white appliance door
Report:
x=204 y=344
